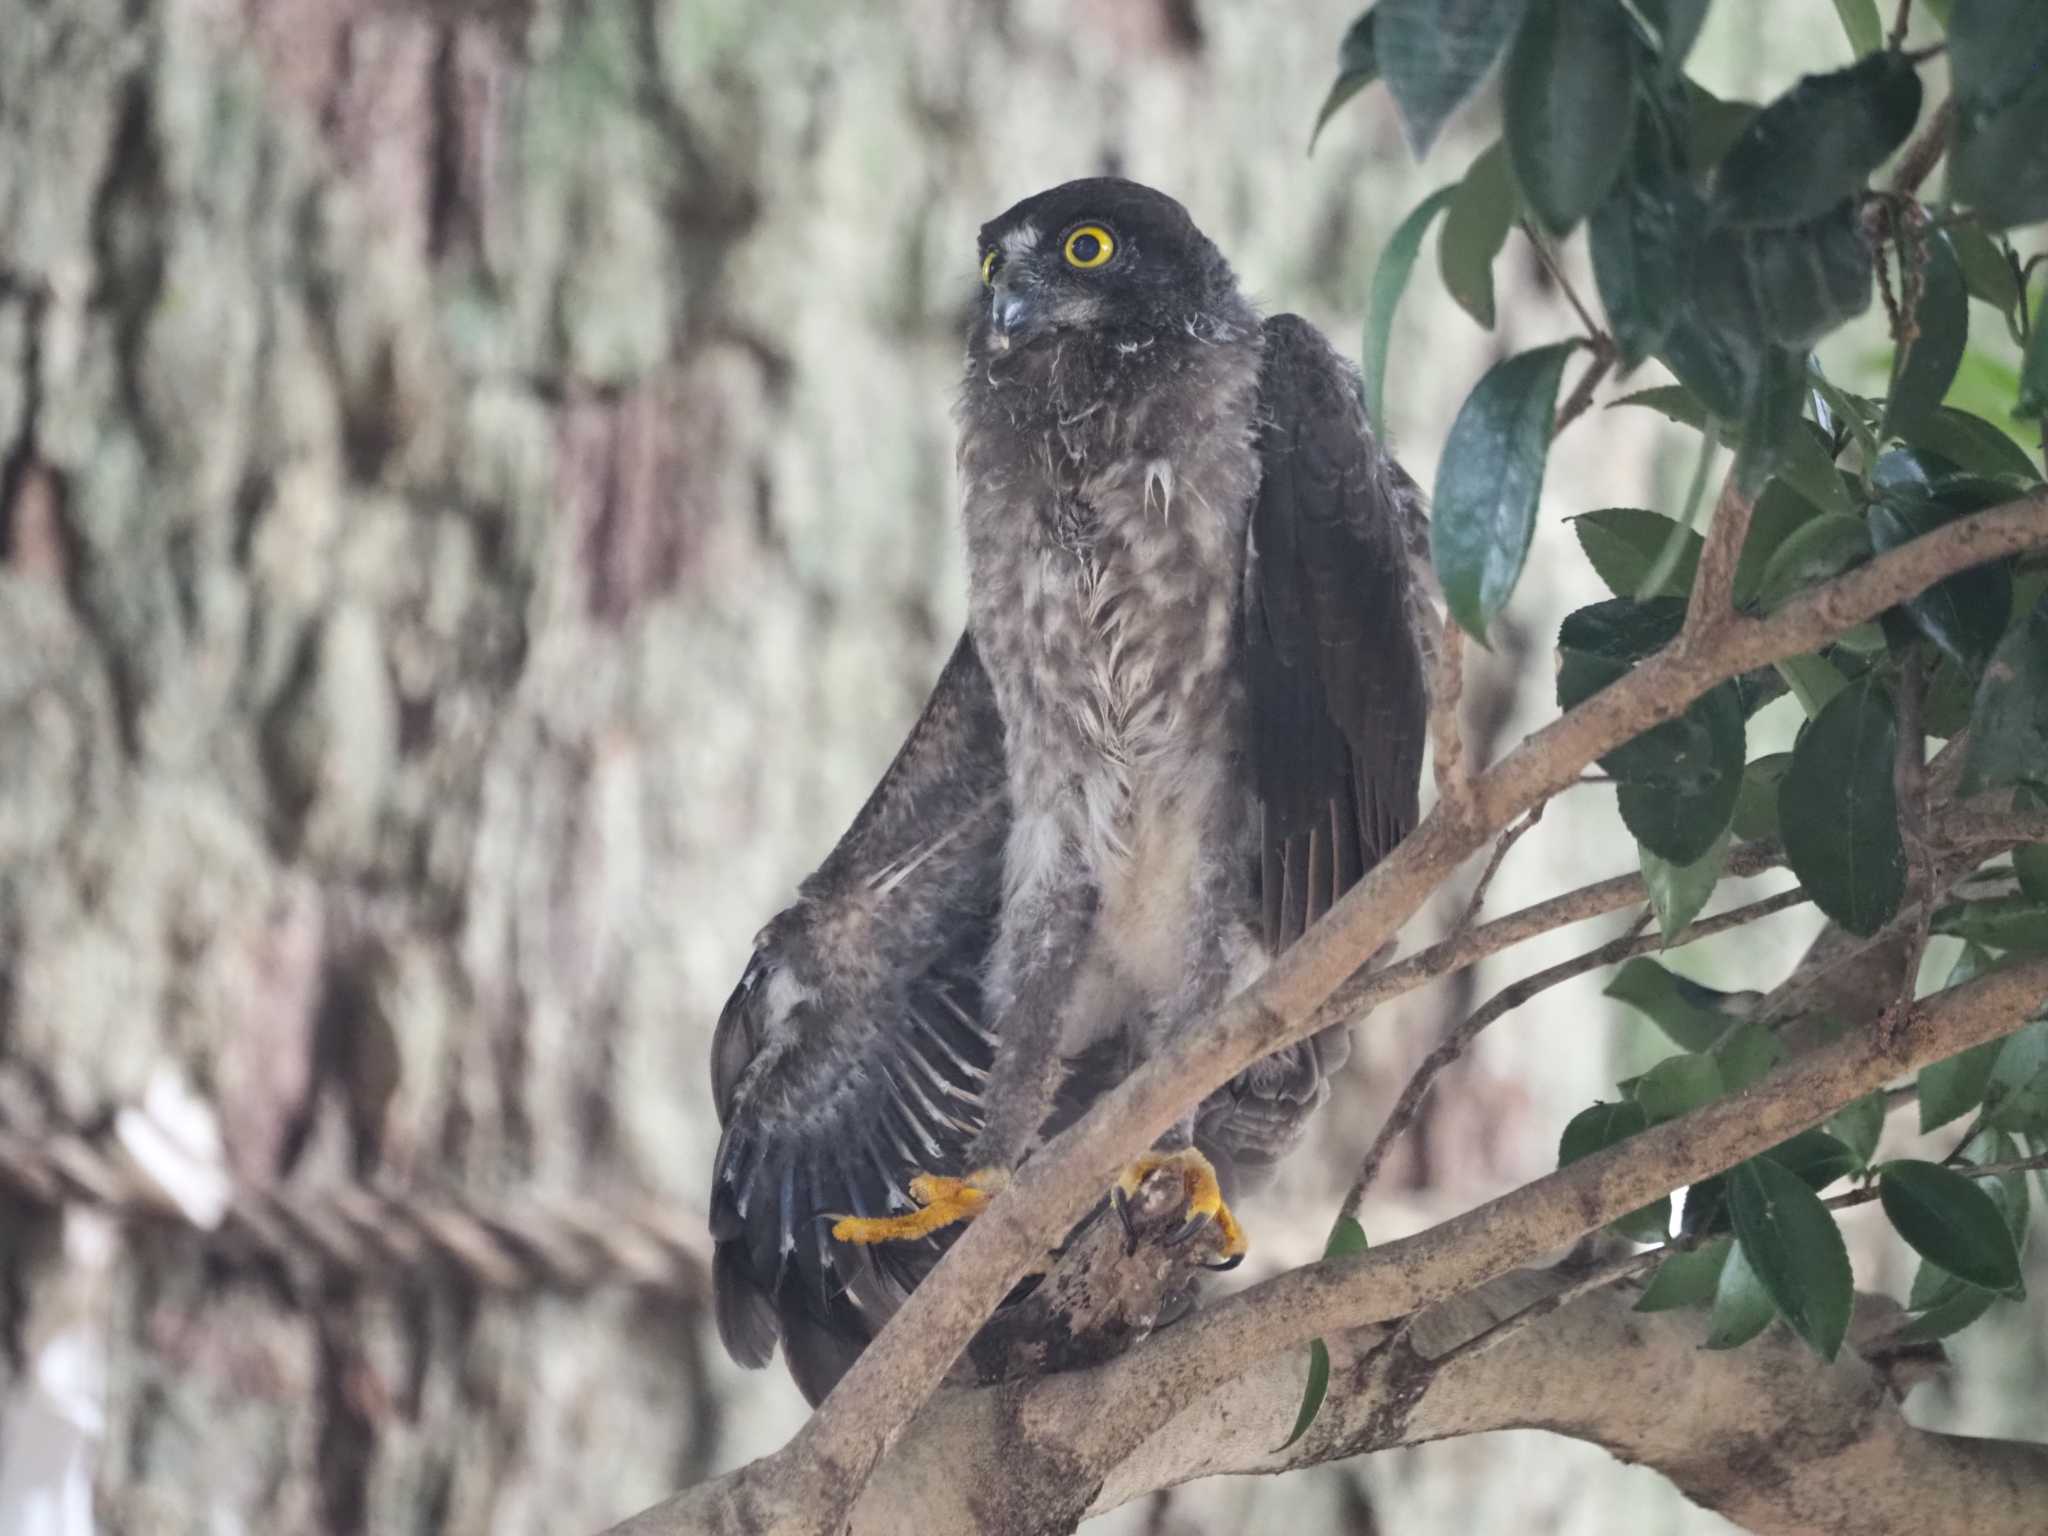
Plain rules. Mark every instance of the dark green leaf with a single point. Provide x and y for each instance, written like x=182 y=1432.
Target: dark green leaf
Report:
x=1859 y=20
x=1747 y=1055
x=1488 y=484
x=1811 y=277
x=2009 y=722
x=1643 y=235
x=1712 y=125
x=1679 y=891
x=1778 y=513
x=1818 y=143
x=2030 y=866
x=2033 y=397
x=1483 y=209
x=1927 y=367
x=1346 y=1237
x=2016 y=1094
x=1951 y=1314
x=1814 y=681
x=1818 y=550
x=1682 y=1008
x=1946 y=1218
x=1677 y=23
x=1622 y=543
x=1815 y=1158
x=1674 y=402
x=1974 y=443
x=1742 y=1306
x=1793 y=1245
x=1596 y=1129
x=1756 y=807
x=1987 y=272
x=1933 y=1285
x=1998 y=55
x=1389 y=280
x=1954 y=1086
x=1358 y=66
x=1858 y=1126
x=1998 y=922
x=1676 y=1086
x=1966 y=613
x=1569 y=104
x=1687 y=1279
x=1313 y=1393
x=1838 y=813
x=1435 y=53
x=1773 y=434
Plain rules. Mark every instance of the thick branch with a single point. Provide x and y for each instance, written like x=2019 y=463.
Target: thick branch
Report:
x=803 y=1487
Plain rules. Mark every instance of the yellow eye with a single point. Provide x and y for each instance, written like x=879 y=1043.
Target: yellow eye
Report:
x=1089 y=247
x=988 y=267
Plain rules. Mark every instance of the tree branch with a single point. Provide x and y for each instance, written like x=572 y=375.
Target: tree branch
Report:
x=805 y=1486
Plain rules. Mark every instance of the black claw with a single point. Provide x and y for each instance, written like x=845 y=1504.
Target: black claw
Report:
x=1122 y=1202
x=1226 y=1265
x=1185 y=1233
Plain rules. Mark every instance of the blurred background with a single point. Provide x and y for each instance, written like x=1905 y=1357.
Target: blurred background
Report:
x=476 y=517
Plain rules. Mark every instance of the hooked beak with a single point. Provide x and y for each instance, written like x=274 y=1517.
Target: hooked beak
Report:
x=1014 y=313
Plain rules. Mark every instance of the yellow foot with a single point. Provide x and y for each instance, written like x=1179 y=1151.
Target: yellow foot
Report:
x=941 y=1202
x=1204 y=1196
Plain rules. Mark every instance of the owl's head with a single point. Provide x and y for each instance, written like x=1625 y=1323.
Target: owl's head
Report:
x=1101 y=255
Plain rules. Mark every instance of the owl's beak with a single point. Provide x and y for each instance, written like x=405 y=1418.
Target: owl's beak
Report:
x=1014 y=313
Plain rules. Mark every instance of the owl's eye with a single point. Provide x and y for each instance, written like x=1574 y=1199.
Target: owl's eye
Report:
x=988 y=267
x=1089 y=247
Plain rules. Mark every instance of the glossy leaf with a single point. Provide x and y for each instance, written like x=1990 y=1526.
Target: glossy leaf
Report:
x=1949 y=1220
x=1436 y=53
x=1756 y=806
x=1568 y=104
x=1679 y=891
x=1986 y=271
x=1622 y=543
x=1791 y=1242
x=1838 y=812
x=1389 y=281
x=1677 y=1085
x=2009 y=722
x=1927 y=367
x=1346 y=1237
x=1358 y=66
x=1954 y=1086
x=1779 y=512
x=1951 y=1314
x=1773 y=436
x=1818 y=550
x=1686 y=1279
x=1998 y=922
x=2016 y=1093
x=1973 y=443
x=1998 y=53
x=1859 y=20
x=1642 y=237
x=1483 y=210
x=1746 y=1055
x=1489 y=482
x=1685 y=1011
x=1602 y=1126
x=1964 y=614
x=1818 y=143
x=1814 y=681
x=1859 y=1125
x=1742 y=1306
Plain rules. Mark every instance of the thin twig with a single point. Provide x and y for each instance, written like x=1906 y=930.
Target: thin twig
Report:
x=1580 y=400
x=1595 y=333
x=1508 y=999
x=1869 y=1192
x=1897 y=38
x=1925 y=152
x=1501 y=845
x=1618 y=1268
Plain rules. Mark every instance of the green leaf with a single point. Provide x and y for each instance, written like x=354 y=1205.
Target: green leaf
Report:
x=1779 y=512
x=1678 y=24
x=1712 y=125
x=1987 y=272
x=1679 y=891
x=1622 y=543
x=1642 y=236
x=1436 y=53
x=1818 y=143
x=1598 y=1128
x=1676 y=1086
x=1346 y=1237
x=1999 y=922
x=1682 y=1008
x=1747 y=1055
x=1859 y=1125
x=1998 y=55
x=1815 y=1158
x=1818 y=550
x=1949 y=1220
x=1756 y=806
x=1953 y=1313
x=2016 y=1094
x=1773 y=434
x=1927 y=366
x=1688 y=1278
x=1713 y=353
x=1358 y=66
x=1483 y=209
x=2033 y=398
x=1742 y=1306
x=1964 y=614
x=1859 y=20
x=2030 y=867
x=1488 y=484
x=1954 y=1086
x=1569 y=103
x=2009 y=721
x=1814 y=681
x=1792 y=1243
x=1389 y=281
x=1838 y=812
x=1974 y=443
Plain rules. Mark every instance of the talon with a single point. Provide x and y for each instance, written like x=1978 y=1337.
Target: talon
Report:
x=1204 y=1196
x=942 y=1202
x=1122 y=1203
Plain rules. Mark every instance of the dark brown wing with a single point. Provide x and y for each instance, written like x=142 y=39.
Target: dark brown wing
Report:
x=1338 y=701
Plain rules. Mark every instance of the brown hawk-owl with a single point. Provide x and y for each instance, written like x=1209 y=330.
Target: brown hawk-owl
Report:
x=1186 y=717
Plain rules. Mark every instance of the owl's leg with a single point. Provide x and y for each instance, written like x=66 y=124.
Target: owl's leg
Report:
x=1203 y=1192
x=941 y=1202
